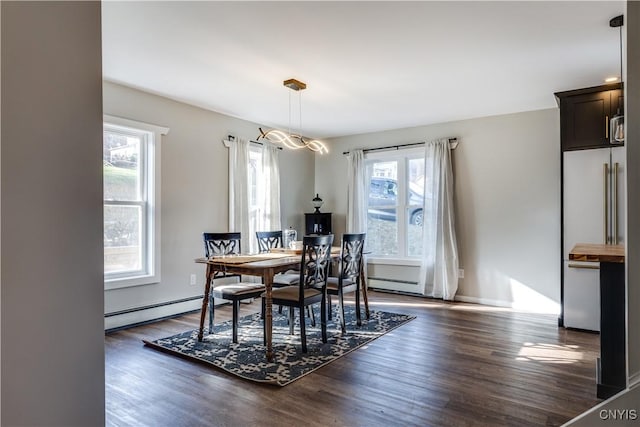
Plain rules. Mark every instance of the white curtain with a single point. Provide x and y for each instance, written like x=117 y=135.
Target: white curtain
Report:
x=439 y=269
x=239 y=190
x=356 y=193
x=357 y=197
x=269 y=197
x=259 y=211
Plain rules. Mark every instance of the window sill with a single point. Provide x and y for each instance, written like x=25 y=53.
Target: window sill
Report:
x=394 y=261
x=130 y=282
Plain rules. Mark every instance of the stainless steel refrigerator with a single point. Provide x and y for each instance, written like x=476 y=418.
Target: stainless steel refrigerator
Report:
x=594 y=212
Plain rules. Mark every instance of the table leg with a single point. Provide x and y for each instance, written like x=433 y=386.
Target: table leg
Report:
x=268 y=313
x=363 y=284
x=205 y=300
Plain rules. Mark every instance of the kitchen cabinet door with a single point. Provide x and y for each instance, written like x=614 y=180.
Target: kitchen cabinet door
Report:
x=585 y=116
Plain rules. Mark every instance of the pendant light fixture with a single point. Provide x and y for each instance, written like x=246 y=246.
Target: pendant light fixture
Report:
x=288 y=139
x=616 y=133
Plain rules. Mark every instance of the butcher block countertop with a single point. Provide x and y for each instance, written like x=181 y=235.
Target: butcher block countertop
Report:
x=597 y=253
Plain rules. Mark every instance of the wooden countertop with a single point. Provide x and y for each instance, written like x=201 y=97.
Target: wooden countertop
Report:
x=597 y=253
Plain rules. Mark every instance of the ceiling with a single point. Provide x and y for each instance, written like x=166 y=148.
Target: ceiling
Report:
x=369 y=66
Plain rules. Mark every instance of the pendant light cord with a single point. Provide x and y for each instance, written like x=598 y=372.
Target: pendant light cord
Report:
x=621 y=54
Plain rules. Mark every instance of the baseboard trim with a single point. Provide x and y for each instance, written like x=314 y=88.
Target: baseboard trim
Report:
x=459 y=298
x=148 y=322
x=393 y=291
x=493 y=303
x=122 y=319
x=484 y=301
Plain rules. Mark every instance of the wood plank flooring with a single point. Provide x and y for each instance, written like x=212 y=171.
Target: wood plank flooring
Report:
x=456 y=364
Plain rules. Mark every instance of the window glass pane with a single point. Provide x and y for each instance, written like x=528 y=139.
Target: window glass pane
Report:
x=255 y=170
x=121 y=166
x=122 y=238
x=382 y=231
x=415 y=202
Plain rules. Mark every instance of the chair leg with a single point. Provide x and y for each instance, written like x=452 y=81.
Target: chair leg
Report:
x=312 y=314
x=329 y=306
x=264 y=323
x=236 y=309
x=290 y=309
x=303 y=330
x=211 y=313
x=323 y=317
x=358 y=315
x=341 y=308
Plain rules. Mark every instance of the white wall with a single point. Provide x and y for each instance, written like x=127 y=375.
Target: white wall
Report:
x=507 y=184
x=194 y=193
x=632 y=113
x=52 y=298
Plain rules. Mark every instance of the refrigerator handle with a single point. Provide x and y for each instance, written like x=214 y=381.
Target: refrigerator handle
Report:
x=605 y=204
x=615 y=204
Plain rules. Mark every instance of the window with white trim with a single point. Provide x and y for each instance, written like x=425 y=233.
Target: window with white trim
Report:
x=131 y=202
x=395 y=203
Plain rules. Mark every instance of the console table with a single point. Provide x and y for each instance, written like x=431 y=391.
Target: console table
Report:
x=611 y=371
x=317 y=223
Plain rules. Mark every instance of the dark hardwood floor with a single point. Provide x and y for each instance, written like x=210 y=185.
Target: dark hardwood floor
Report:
x=456 y=364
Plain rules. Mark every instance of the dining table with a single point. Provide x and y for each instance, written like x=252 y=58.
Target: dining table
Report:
x=265 y=265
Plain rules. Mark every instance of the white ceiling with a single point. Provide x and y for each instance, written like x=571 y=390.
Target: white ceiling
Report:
x=369 y=66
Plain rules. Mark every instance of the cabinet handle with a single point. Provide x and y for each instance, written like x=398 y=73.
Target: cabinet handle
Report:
x=604 y=202
x=606 y=127
x=587 y=266
x=615 y=204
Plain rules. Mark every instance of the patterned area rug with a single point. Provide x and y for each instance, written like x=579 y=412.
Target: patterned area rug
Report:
x=247 y=359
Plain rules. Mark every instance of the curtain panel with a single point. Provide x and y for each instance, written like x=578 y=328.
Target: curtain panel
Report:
x=439 y=267
x=357 y=193
x=239 y=190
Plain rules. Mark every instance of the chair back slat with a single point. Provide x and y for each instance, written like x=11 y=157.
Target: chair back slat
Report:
x=314 y=266
x=268 y=240
x=221 y=244
x=351 y=257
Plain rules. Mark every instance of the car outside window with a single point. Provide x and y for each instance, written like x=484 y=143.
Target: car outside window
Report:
x=395 y=204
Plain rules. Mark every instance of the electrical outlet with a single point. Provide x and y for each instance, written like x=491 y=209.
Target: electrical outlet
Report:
x=193 y=279
x=461 y=273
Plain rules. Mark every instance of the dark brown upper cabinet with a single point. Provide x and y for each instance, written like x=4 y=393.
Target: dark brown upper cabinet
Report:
x=585 y=115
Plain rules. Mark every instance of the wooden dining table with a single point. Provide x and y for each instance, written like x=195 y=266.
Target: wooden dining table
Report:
x=265 y=265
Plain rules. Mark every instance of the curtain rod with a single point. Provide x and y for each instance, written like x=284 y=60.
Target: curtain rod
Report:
x=453 y=141
x=260 y=143
x=227 y=142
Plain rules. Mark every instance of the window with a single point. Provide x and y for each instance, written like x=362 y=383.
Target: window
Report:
x=395 y=205
x=257 y=192
x=131 y=201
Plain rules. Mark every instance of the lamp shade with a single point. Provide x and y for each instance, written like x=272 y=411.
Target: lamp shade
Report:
x=317 y=203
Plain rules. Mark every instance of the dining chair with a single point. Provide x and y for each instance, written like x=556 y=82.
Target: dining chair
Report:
x=268 y=240
x=311 y=287
x=216 y=244
x=348 y=278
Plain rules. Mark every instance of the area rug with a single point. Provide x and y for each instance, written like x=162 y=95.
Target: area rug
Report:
x=247 y=360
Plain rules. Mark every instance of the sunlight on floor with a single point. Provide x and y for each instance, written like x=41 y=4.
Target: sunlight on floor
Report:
x=549 y=353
